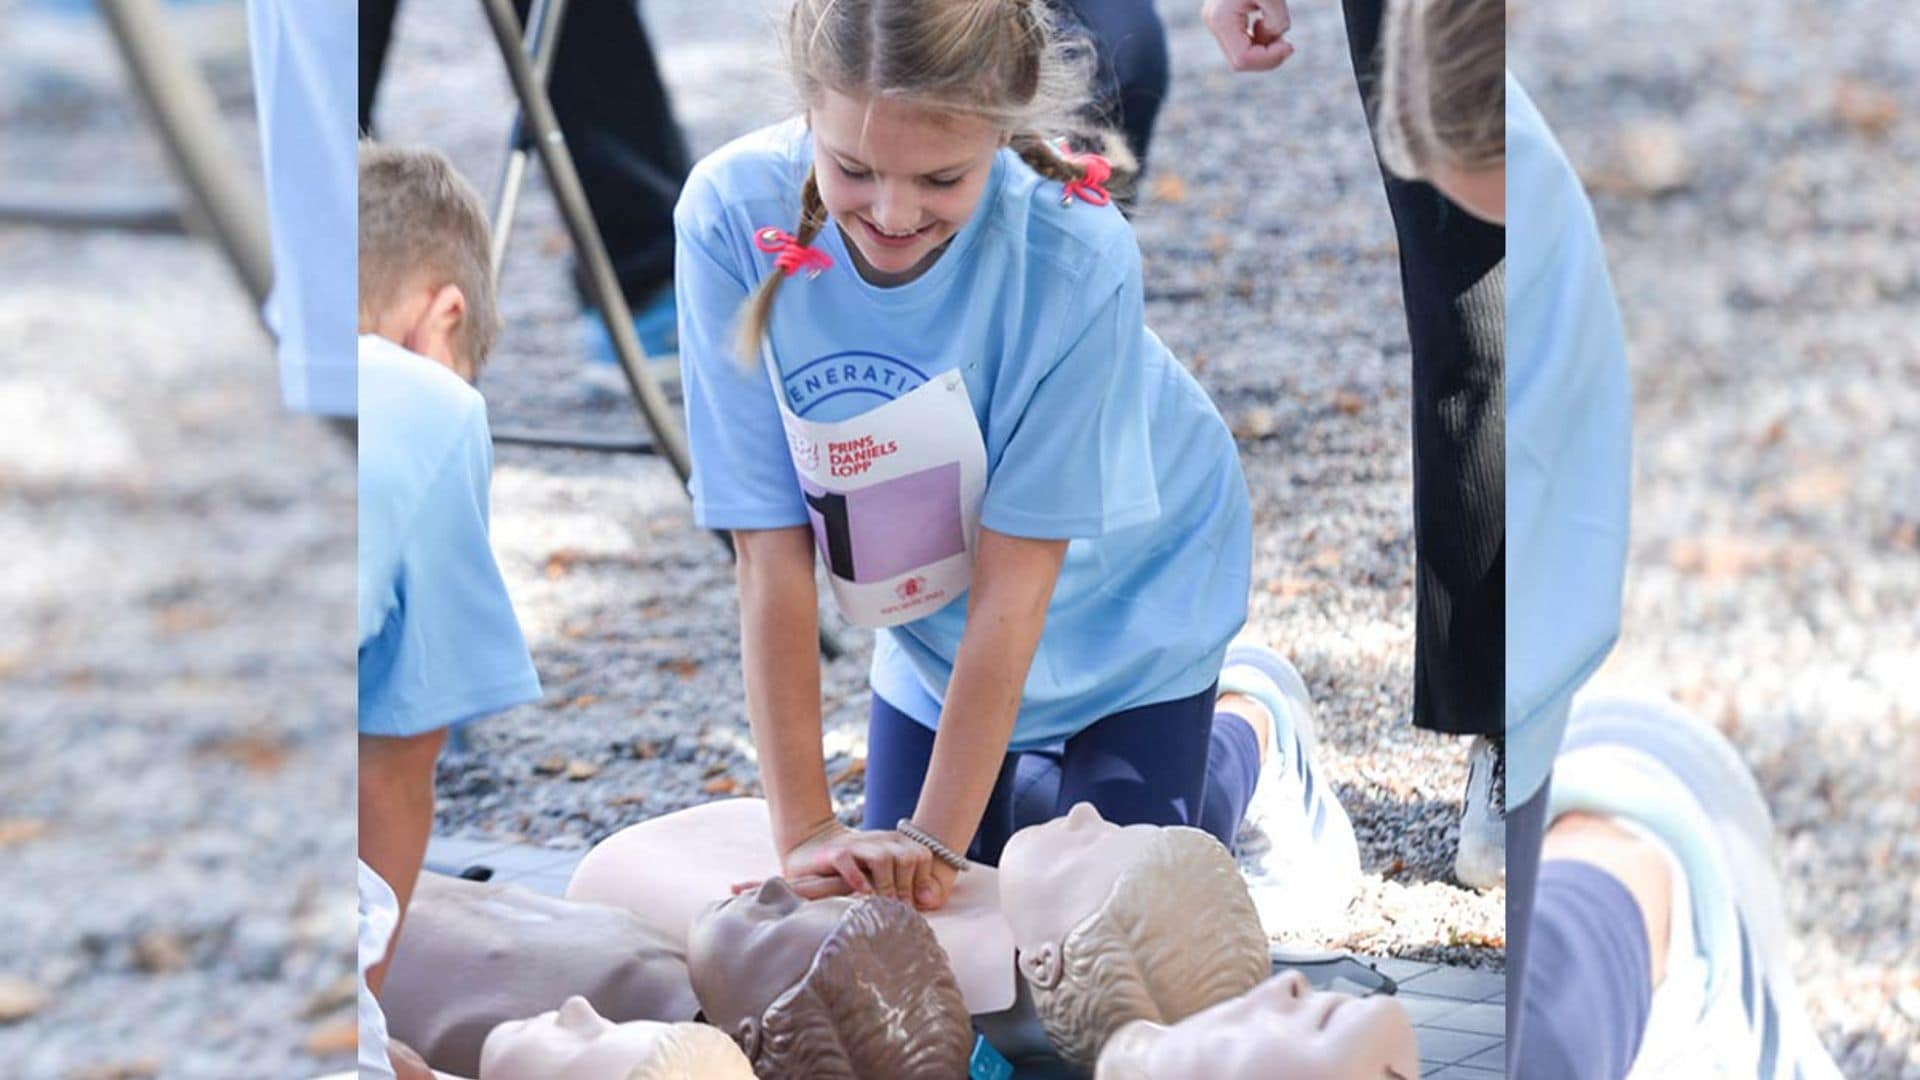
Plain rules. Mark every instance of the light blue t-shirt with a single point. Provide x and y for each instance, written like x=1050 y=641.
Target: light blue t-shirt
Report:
x=439 y=643
x=1094 y=432
x=1569 y=435
x=305 y=84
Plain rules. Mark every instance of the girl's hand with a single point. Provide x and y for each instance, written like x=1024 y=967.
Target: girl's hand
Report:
x=837 y=860
x=929 y=897
x=939 y=888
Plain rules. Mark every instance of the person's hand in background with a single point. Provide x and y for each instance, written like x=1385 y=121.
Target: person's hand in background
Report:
x=1252 y=33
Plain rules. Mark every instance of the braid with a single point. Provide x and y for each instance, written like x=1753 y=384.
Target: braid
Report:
x=753 y=328
x=1041 y=156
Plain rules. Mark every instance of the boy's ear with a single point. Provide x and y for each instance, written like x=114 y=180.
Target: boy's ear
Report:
x=447 y=310
x=441 y=323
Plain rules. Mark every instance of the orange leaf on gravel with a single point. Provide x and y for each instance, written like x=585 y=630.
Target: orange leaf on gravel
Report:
x=16 y=831
x=339 y=1037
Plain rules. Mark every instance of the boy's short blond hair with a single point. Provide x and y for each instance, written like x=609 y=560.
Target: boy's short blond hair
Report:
x=422 y=223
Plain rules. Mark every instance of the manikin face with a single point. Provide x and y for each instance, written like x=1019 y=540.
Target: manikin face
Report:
x=899 y=180
x=747 y=951
x=1053 y=876
x=1283 y=1030
x=579 y=1044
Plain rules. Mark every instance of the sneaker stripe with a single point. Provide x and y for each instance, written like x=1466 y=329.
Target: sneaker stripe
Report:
x=1769 y=1039
x=1306 y=782
x=1319 y=820
x=1748 y=998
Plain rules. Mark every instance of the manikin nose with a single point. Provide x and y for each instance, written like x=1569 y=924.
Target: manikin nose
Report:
x=775 y=890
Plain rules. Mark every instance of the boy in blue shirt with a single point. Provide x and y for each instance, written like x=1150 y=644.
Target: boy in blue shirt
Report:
x=439 y=644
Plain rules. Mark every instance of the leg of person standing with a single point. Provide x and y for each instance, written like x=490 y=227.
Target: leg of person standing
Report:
x=1130 y=43
x=1451 y=275
x=618 y=120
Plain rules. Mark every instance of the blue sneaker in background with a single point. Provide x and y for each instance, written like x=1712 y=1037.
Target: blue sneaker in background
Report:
x=658 y=327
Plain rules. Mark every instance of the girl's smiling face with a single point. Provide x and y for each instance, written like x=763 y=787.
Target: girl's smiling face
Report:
x=899 y=179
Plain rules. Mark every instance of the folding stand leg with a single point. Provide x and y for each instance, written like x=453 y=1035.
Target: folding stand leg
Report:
x=536 y=125
x=189 y=123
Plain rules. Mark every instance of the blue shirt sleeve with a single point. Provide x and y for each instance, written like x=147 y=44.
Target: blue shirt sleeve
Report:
x=450 y=649
x=742 y=475
x=1079 y=459
x=304 y=92
x=1569 y=446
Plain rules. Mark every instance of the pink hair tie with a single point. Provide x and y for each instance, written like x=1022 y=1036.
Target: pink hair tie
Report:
x=1090 y=188
x=792 y=255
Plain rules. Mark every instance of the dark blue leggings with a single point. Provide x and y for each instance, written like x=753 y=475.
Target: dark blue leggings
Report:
x=1578 y=981
x=1171 y=763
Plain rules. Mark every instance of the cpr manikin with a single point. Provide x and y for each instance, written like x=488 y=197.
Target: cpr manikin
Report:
x=669 y=870
x=474 y=955
x=576 y=1043
x=1280 y=1030
x=833 y=988
x=1120 y=924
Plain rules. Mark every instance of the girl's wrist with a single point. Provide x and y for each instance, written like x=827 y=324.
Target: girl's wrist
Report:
x=800 y=833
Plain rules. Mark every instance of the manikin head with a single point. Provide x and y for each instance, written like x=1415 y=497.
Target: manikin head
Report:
x=832 y=988
x=477 y=954
x=426 y=277
x=1280 y=1030
x=579 y=1044
x=1119 y=924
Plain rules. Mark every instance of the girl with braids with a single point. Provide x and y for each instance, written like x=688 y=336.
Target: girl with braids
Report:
x=912 y=338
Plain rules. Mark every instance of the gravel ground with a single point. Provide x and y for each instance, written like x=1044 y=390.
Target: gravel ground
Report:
x=1270 y=269
x=1755 y=169
x=175 y=778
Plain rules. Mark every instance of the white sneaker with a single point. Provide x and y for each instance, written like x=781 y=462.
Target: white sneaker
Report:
x=1656 y=767
x=1480 y=860
x=1296 y=846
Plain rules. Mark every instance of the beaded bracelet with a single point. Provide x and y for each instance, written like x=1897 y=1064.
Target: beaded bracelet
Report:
x=920 y=836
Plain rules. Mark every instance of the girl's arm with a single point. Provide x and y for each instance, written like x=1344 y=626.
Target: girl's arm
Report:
x=780 y=663
x=780 y=660
x=1013 y=581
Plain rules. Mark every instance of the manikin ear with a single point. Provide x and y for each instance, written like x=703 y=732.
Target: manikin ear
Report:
x=1041 y=965
x=748 y=1036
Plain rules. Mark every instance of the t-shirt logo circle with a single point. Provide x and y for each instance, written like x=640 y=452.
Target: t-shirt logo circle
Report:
x=910 y=588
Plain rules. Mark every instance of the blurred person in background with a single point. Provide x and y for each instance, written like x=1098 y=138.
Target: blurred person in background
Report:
x=1450 y=268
